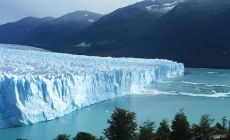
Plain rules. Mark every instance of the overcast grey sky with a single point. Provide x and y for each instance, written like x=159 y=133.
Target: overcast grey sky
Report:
x=11 y=10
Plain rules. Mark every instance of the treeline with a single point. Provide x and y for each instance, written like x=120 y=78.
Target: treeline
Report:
x=123 y=126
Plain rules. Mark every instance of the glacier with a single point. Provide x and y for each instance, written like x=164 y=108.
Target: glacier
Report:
x=38 y=86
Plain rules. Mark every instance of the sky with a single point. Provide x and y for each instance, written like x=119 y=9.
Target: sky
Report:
x=12 y=10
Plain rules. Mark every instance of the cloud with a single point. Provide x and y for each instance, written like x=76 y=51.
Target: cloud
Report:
x=11 y=10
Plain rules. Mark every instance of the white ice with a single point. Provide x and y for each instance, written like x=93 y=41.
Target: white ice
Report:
x=38 y=86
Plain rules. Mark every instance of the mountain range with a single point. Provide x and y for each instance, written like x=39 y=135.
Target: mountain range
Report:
x=42 y=32
x=195 y=32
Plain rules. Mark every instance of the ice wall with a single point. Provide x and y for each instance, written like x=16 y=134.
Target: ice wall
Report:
x=39 y=86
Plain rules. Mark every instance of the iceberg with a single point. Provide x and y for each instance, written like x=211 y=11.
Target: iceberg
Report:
x=37 y=86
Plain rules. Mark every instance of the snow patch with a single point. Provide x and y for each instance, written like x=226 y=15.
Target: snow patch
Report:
x=162 y=7
x=83 y=44
x=91 y=20
x=151 y=7
x=168 y=8
x=170 y=4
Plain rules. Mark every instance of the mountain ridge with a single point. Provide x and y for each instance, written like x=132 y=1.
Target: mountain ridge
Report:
x=184 y=33
x=32 y=30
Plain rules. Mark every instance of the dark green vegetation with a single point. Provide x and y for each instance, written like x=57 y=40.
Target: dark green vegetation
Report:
x=195 y=32
x=84 y=136
x=122 y=126
x=146 y=131
x=62 y=137
x=180 y=127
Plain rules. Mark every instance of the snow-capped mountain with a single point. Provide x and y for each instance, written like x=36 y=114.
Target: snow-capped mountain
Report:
x=186 y=32
x=180 y=30
x=158 y=7
x=40 y=86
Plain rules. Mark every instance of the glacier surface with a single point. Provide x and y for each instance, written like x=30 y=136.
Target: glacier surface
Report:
x=39 y=86
x=21 y=47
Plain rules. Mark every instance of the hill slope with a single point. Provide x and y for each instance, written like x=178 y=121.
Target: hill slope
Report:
x=194 y=32
x=16 y=31
x=54 y=32
x=43 y=32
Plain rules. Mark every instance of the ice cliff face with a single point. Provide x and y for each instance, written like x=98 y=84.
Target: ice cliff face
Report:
x=39 y=86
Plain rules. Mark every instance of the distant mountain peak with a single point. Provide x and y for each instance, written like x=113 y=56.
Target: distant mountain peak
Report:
x=81 y=16
x=158 y=7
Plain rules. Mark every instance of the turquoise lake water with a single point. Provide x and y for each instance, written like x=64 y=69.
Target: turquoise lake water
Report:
x=199 y=91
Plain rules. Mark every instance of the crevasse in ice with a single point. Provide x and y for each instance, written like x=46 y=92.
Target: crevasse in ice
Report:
x=38 y=86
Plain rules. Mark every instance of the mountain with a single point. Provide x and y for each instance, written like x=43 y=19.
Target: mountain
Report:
x=194 y=32
x=157 y=7
x=43 y=31
x=117 y=33
x=109 y=35
x=60 y=28
x=14 y=32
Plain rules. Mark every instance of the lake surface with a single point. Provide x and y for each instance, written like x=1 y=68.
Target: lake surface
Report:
x=199 y=91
